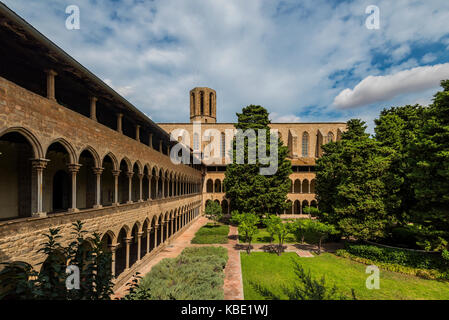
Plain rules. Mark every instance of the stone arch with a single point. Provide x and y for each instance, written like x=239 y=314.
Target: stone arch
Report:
x=34 y=142
x=217 y=186
x=94 y=154
x=69 y=148
x=128 y=163
x=209 y=186
x=305 y=186
x=297 y=207
x=139 y=166
x=113 y=159
x=312 y=186
x=297 y=186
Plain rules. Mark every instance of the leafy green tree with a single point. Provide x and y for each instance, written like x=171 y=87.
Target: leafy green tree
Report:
x=214 y=211
x=429 y=157
x=305 y=287
x=352 y=185
x=271 y=221
x=282 y=229
x=300 y=229
x=247 y=223
x=248 y=190
x=322 y=230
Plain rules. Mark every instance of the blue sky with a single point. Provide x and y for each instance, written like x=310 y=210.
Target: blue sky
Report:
x=309 y=60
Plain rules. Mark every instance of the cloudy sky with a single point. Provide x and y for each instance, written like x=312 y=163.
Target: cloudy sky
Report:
x=308 y=60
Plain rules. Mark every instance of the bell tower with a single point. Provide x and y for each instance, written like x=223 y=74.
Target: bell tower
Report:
x=203 y=105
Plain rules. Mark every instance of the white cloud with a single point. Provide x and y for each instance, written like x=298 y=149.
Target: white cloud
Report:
x=429 y=57
x=289 y=118
x=383 y=88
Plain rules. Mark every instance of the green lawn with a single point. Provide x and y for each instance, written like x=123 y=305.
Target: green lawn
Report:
x=271 y=271
x=212 y=234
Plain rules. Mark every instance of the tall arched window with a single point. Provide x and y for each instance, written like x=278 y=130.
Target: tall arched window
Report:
x=223 y=145
x=202 y=102
x=330 y=137
x=196 y=142
x=211 y=98
x=305 y=144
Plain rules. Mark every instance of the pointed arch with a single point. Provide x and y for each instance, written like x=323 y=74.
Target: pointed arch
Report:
x=34 y=142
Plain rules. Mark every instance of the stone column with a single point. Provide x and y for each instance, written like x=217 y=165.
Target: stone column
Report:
x=156 y=227
x=98 y=172
x=74 y=169
x=138 y=133
x=148 y=231
x=151 y=141
x=162 y=232
x=93 y=108
x=167 y=227
x=157 y=188
x=116 y=174
x=171 y=226
x=140 y=187
x=130 y=186
x=39 y=165
x=113 y=248
x=51 y=93
x=128 y=245
x=119 y=122
x=163 y=188
x=149 y=186
x=139 y=245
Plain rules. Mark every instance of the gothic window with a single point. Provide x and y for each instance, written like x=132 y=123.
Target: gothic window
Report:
x=202 y=102
x=211 y=97
x=305 y=144
x=330 y=137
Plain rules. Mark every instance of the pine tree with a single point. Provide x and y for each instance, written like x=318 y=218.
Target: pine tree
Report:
x=352 y=185
x=248 y=190
x=430 y=174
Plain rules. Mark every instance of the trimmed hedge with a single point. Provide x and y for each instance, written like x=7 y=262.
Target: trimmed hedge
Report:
x=401 y=257
x=430 y=274
x=196 y=274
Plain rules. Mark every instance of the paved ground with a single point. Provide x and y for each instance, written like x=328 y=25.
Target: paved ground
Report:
x=233 y=283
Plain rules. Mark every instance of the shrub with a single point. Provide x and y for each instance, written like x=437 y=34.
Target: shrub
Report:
x=407 y=258
x=196 y=274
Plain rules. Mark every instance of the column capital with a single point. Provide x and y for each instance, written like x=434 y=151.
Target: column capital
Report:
x=39 y=163
x=116 y=173
x=130 y=174
x=120 y=115
x=51 y=72
x=140 y=175
x=98 y=171
x=128 y=240
x=140 y=234
x=74 y=167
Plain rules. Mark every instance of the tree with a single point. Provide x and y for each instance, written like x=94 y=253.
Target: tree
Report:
x=352 y=184
x=429 y=156
x=247 y=223
x=248 y=190
x=19 y=280
x=322 y=230
x=213 y=211
x=271 y=221
x=397 y=128
x=282 y=230
x=300 y=229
